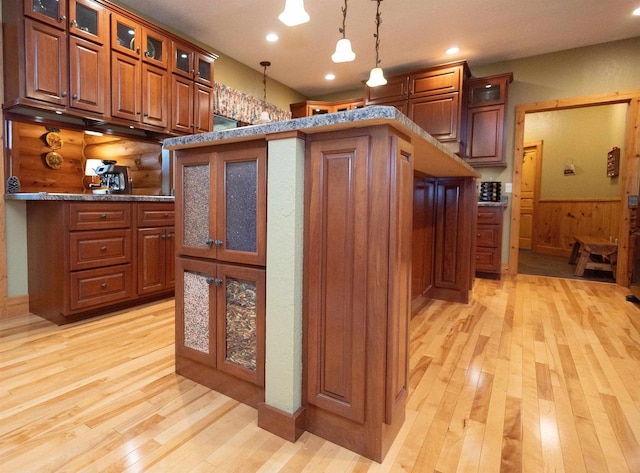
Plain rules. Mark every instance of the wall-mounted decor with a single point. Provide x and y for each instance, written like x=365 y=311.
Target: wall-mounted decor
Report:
x=613 y=162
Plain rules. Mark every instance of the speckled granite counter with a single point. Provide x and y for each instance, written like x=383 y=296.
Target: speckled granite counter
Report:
x=431 y=156
x=502 y=203
x=46 y=196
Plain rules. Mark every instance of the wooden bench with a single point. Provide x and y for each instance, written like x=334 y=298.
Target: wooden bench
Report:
x=594 y=253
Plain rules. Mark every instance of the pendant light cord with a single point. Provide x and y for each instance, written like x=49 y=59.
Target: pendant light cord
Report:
x=344 y=20
x=377 y=33
x=264 y=64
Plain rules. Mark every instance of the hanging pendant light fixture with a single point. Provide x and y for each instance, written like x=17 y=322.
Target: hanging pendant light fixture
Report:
x=343 y=53
x=264 y=115
x=294 y=13
x=376 y=77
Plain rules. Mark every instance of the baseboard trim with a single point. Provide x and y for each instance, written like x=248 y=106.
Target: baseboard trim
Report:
x=287 y=426
x=16 y=306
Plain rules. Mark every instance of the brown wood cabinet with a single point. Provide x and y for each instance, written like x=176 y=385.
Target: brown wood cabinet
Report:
x=489 y=240
x=82 y=259
x=220 y=288
x=156 y=247
x=315 y=107
x=357 y=291
x=486 y=102
x=430 y=97
x=423 y=234
x=95 y=60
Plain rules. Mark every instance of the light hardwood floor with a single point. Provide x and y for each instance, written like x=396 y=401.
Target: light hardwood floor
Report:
x=534 y=375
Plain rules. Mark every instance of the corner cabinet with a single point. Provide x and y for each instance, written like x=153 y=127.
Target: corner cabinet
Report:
x=220 y=286
x=486 y=103
x=358 y=219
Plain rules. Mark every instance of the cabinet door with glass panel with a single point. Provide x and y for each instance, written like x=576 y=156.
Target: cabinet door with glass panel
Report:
x=52 y=12
x=221 y=196
x=191 y=64
x=89 y=20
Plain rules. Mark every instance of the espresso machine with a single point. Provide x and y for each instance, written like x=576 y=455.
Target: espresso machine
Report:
x=114 y=179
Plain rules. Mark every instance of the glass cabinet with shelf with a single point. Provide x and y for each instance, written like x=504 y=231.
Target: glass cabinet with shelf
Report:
x=52 y=12
x=89 y=20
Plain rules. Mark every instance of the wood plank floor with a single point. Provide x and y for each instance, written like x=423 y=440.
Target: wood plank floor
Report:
x=534 y=375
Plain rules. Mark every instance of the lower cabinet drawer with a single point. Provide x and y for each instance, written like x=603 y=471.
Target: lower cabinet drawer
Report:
x=104 y=286
x=488 y=259
x=96 y=249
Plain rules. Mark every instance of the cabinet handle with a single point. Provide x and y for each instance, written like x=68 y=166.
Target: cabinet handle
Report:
x=477 y=234
x=62 y=18
x=103 y=285
x=163 y=237
x=218 y=243
x=64 y=94
x=103 y=216
x=166 y=214
x=138 y=50
x=146 y=114
x=211 y=280
x=74 y=23
x=208 y=241
x=103 y=249
x=74 y=96
x=170 y=236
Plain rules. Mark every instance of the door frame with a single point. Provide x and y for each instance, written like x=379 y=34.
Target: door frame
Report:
x=630 y=172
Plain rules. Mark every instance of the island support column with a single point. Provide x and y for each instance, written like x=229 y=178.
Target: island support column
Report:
x=282 y=413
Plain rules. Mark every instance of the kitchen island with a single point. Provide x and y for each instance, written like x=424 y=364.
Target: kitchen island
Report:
x=90 y=254
x=319 y=264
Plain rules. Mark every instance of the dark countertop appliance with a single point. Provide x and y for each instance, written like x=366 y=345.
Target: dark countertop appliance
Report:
x=114 y=179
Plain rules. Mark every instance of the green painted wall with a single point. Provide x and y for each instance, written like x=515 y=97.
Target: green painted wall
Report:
x=581 y=137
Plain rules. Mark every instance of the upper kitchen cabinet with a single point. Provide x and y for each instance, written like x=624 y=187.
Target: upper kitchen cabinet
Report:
x=430 y=97
x=191 y=89
x=486 y=102
x=52 y=12
x=89 y=20
x=95 y=60
x=315 y=107
x=192 y=64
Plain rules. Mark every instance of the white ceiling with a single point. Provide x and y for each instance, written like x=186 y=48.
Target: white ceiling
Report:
x=413 y=33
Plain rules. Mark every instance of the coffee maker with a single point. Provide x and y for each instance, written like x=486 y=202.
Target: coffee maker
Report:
x=114 y=179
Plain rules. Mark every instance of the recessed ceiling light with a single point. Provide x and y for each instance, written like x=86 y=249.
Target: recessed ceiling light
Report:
x=58 y=112
x=636 y=12
x=330 y=76
x=272 y=37
x=453 y=50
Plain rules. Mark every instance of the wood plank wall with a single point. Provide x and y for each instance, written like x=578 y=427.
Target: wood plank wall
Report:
x=557 y=221
x=28 y=149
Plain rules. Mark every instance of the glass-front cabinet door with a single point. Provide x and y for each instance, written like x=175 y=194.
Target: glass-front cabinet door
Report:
x=125 y=35
x=52 y=12
x=89 y=20
x=240 y=322
x=204 y=69
x=155 y=48
x=182 y=60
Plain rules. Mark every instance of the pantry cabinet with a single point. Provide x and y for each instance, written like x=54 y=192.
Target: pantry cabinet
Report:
x=221 y=248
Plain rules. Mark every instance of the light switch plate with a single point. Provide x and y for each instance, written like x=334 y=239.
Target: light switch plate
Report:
x=508 y=188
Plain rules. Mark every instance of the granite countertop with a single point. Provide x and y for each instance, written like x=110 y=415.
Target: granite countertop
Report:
x=502 y=203
x=433 y=156
x=31 y=196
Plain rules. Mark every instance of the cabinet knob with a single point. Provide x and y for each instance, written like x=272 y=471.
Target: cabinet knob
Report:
x=138 y=50
x=218 y=243
x=62 y=18
x=146 y=114
x=103 y=216
x=103 y=249
x=74 y=23
x=208 y=241
x=477 y=234
x=170 y=235
x=74 y=96
x=64 y=94
x=166 y=215
x=103 y=285
x=211 y=280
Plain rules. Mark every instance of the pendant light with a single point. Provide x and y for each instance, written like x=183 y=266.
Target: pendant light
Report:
x=376 y=77
x=294 y=13
x=343 y=53
x=264 y=115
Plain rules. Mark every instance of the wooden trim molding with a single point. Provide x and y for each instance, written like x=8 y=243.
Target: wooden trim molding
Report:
x=15 y=306
x=287 y=426
x=629 y=173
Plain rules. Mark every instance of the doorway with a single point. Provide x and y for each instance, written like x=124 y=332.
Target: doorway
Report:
x=629 y=176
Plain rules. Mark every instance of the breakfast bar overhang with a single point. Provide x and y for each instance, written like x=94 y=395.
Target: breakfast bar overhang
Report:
x=329 y=257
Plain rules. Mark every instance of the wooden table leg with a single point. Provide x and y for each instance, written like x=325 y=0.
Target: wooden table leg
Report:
x=582 y=263
x=574 y=253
